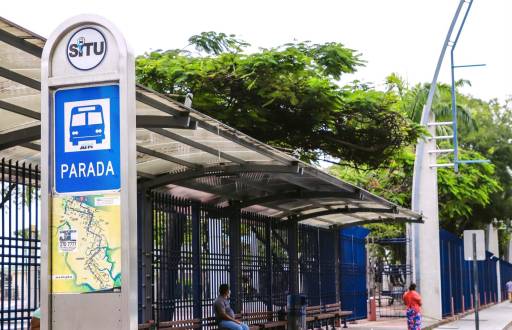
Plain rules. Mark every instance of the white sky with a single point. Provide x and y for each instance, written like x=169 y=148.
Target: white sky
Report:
x=403 y=36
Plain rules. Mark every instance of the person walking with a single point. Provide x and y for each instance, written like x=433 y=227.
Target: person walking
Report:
x=412 y=301
x=224 y=313
x=509 y=290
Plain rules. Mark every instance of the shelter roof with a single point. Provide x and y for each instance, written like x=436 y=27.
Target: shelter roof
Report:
x=188 y=153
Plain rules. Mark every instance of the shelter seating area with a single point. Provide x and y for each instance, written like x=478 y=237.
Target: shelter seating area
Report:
x=215 y=206
x=317 y=316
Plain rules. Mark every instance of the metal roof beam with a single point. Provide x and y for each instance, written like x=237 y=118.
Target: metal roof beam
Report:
x=145 y=175
x=208 y=189
x=345 y=210
x=14 y=138
x=365 y=195
x=19 y=78
x=19 y=110
x=20 y=43
x=141 y=97
x=381 y=220
x=164 y=122
x=294 y=195
x=166 y=157
x=30 y=145
x=225 y=170
x=144 y=121
x=197 y=145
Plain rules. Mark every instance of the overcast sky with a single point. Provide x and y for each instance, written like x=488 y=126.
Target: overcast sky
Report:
x=402 y=36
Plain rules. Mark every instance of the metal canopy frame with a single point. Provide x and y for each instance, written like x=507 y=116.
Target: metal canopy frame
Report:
x=184 y=151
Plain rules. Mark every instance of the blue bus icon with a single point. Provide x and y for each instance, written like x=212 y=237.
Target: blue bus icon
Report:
x=86 y=124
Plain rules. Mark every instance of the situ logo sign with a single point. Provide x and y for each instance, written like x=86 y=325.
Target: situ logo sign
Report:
x=86 y=139
x=86 y=48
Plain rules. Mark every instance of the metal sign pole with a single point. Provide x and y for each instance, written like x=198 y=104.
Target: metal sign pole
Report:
x=88 y=175
x=475 y=282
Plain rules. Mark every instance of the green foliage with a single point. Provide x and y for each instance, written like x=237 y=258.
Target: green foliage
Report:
x=476 y=195
x=217 y=43
x=288 y=96
x=493 y=141
x=461 y=193
x=413 y=100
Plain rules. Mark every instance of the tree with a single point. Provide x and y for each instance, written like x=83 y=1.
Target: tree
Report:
x=493 y=141
x=462 y=195
x=287 y=96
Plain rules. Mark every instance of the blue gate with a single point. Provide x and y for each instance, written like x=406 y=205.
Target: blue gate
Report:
x=353 y=289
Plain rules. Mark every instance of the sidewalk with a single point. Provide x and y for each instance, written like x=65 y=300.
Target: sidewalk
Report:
x=497 y=317
x=385 y=324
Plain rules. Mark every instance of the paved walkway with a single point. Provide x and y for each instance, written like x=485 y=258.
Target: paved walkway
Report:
x=497 y=317
x=384 y=324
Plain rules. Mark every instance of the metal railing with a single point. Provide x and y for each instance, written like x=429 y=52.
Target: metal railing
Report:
x=19 y=243
x=196 y=247
x=185 y=250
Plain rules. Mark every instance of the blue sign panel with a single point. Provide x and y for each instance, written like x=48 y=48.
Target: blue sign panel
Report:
x=86 y=139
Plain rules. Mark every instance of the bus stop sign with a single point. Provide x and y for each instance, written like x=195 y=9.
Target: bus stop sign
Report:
x=86 y=140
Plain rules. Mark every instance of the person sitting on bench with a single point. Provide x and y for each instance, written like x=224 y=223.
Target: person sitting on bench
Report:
x=223 y=313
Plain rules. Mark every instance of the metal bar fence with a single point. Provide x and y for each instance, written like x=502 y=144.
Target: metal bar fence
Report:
x=309 y=264
x=327 y=265
x=506 y=275
x=264 y=263
x=183 y=255
x=457 y=278
x=353 y=283
x=19 y=243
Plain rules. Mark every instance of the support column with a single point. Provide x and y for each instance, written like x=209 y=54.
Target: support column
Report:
x=337 y=273
x=494 y=247
x=235 y=275
x=270 y=265
x=197 y=288
x=425 y=237
x=145 y=215
x=293 y=255
x=509 y=251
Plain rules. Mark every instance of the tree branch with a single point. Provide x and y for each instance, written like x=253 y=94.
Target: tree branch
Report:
x=8 y=195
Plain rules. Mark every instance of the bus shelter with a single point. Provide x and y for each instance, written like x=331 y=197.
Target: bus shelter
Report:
x=200 y=181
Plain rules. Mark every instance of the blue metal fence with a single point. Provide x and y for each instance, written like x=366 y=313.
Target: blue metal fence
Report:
x=506 y=275
x=457 y=276
x=353 y=288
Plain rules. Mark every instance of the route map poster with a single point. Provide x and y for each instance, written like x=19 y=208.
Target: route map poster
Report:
x=86 y=244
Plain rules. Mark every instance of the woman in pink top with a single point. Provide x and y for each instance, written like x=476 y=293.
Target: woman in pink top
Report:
x=412 y=301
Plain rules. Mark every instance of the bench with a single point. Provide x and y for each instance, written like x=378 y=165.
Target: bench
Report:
x=315 y=316
x=334 y=309
x=264 y=320
x=312 y=313
x=180 y=325
x=148 y=325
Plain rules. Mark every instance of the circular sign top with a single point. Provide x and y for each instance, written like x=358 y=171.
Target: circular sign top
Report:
x=86 y=48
